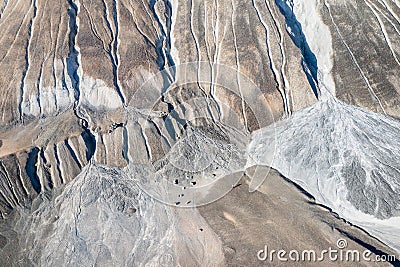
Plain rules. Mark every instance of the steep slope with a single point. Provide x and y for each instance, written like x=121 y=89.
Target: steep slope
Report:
x=366 y=52
x=70 y=70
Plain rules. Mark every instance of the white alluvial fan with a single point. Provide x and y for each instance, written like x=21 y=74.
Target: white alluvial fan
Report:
x=348 y=158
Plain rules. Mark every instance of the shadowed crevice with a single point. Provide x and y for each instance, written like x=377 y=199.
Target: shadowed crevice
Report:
x=309 y=61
